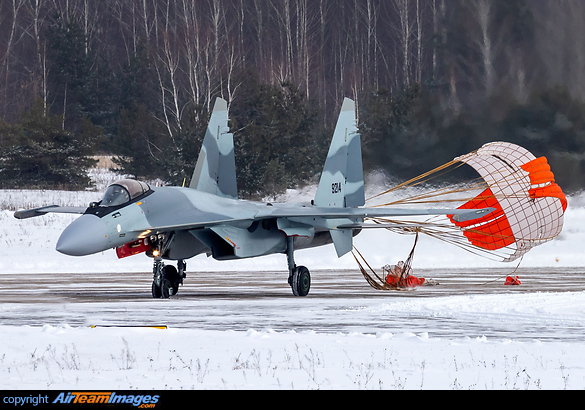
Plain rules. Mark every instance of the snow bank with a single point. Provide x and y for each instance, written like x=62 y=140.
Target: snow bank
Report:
x=131 y=358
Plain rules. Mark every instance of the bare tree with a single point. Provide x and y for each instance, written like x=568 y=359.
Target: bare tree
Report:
x=13 y=38
x=259 y=34
x=283 y=21
x=439 y=10
x=405 y=33
x=169 y=59
x=192 y=48
x=482 y=10
x=38 y=15
x=372 y=50
x=561 y=45
x=241 y=15
x=419 y=42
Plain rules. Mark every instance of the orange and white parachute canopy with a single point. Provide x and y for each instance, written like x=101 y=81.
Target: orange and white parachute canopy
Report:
x=529 y=205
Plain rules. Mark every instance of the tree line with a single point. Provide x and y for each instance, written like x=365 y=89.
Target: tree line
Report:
x=432 y=79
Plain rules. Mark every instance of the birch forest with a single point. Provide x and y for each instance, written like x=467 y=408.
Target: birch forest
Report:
x=432 y=79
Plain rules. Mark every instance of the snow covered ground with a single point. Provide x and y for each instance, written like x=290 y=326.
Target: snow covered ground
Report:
x=83 y=358
x=61 y=354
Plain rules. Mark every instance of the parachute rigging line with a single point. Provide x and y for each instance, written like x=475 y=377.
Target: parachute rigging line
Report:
x=378 y=283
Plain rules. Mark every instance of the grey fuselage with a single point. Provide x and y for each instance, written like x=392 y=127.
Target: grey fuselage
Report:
x=203 y=223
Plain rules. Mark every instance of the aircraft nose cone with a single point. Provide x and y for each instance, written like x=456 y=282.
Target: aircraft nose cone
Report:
x=85 y=236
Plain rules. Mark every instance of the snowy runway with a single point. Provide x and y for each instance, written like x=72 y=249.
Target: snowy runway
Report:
x=339 y=302
x=245 y=330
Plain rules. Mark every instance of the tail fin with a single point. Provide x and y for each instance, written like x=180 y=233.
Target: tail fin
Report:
x=342 y=180
x=215 y=171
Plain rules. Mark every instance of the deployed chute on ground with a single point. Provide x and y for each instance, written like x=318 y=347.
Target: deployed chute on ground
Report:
x=528 y=204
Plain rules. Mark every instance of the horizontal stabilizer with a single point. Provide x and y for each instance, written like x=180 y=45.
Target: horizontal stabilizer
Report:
x=473 y=214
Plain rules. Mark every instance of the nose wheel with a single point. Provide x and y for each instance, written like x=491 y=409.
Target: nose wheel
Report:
x=166 y=279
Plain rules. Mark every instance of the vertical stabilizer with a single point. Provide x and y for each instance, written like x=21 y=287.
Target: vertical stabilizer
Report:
x=215 y=171
x=342 y=180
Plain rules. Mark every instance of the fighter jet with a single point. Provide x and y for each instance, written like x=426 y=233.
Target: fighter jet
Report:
x=179 y=223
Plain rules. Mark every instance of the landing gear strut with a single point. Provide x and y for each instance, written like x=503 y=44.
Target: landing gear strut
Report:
x=166 y=278
x=299 y=277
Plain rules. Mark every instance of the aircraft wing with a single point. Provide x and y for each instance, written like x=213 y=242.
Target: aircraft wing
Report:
x=238 y=222
x=334 y=218
x=31 y=213
x=353 y=213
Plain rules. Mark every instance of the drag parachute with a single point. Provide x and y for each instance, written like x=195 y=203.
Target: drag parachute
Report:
x=528 y=204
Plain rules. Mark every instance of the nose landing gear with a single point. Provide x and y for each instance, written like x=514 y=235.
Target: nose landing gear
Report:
x=167 y=278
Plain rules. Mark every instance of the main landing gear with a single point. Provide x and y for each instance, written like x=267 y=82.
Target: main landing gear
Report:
x=299 y=277
x=167 y=278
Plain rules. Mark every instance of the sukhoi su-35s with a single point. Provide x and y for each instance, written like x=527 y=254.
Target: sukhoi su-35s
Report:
x=178 y=223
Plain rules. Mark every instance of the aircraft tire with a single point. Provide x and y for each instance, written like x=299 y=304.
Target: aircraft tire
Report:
x=156 y=292
x=166 y=289
x=169 y=282
x=301 y=281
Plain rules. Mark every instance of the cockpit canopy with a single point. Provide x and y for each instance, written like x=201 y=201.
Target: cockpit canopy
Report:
x=123 y=191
